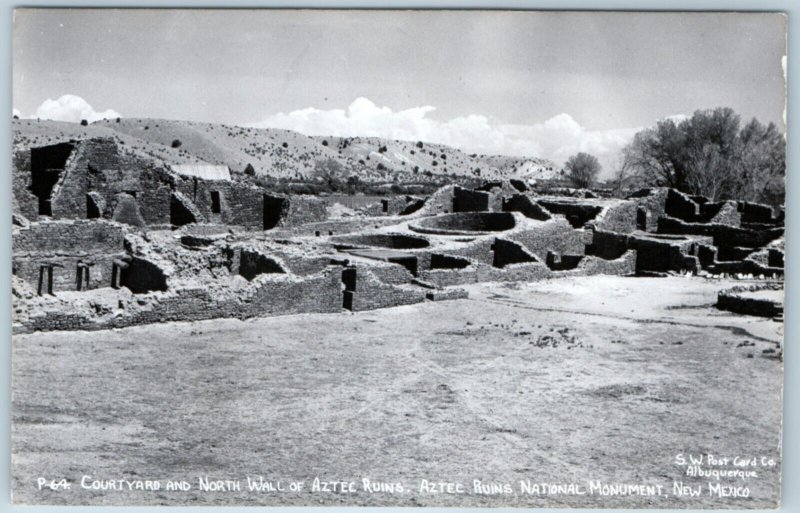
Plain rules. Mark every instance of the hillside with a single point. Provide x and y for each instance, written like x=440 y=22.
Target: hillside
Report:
x=286 y=154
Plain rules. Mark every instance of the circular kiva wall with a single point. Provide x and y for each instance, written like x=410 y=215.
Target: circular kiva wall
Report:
x=381 y=240
x=466 y=223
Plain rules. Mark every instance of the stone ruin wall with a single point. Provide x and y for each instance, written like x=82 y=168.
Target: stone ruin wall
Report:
x=66 y=244
x=579 y=237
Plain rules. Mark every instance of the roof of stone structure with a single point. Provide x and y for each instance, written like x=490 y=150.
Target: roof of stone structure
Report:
x=203 y=171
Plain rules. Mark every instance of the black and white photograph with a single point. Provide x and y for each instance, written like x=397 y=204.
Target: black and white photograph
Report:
x=418 y=258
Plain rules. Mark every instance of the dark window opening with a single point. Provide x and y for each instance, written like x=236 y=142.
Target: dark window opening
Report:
x=641 y=219
x=216 y=207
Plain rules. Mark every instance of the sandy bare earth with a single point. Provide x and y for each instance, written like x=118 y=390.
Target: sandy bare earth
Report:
x=570 y=387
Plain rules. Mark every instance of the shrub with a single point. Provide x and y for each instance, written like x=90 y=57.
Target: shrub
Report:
x=582 y=169
x=176 y=143
x=84 y=122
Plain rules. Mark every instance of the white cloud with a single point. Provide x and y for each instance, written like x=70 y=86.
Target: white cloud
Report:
x=556 y=138
x=677 y=118
x=73 y=109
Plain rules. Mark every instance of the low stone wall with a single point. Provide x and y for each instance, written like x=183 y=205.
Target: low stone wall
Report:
x=508 y=252
x=371 y=293
x=526 y=206
x=723 y=235
x=277 y=294
x=736 y=300
x=622 y=266
x=662 y=255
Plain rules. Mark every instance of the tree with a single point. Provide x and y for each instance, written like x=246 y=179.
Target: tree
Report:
x=176 y=143
x=249 y=170
x=709 y=155
x=330 y=172
x=353 y=183
x=84 y=122
x=582 y=169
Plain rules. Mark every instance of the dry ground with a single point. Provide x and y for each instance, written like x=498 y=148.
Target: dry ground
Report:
x=567 y=381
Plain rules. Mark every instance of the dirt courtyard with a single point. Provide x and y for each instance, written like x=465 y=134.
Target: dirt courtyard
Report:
x=540 y=391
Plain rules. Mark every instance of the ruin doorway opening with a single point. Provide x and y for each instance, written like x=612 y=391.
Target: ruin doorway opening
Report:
x=216 y=205
x=92 y=208
x=82 y=276
x=47 y=164
x=349 y=280
x=252 y=264
x=273 y=207
x=141 y=276
x=45 y=280
x=179 y=214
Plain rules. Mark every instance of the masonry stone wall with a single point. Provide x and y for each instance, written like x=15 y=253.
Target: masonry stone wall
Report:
x=653 y=203
x=510 y=252
x=723 y=235
x=608 y=245
x=272 y=295
x=620 y=218
x=664 y=255
x=526 y=206
x=64 y=245
x=370 y=293
x=625 y=265
x=681 y=206
x=468 y=200
x=756 y=212
x=555 y=235
x=578 y=214
x=24 y=202
x=240 y=204
x=389 y=206
x=736 y=300
x=727 y=213
x=391 y=273
x=99 y=166
x=440 y=202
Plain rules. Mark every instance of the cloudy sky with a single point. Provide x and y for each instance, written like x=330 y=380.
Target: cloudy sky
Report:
x=530 y=84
